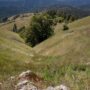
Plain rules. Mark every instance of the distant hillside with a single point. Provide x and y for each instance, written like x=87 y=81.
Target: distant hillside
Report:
x=76 y=2
x=9 y=7
x=85 y=7
x=79 y=12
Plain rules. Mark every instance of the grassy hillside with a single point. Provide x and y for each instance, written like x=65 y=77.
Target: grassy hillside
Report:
x=63 y=58
x=80 y=23
x=20 y=21
x=72 y=49
x=13 y=53
x=65 y=41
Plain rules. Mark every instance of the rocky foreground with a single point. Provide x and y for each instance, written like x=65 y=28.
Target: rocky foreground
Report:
x=30 y=81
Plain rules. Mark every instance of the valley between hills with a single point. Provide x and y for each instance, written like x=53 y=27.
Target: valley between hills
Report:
x=63 y=58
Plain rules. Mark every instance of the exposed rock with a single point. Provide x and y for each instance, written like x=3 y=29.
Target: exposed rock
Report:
x=50 y=88
x=29 y=75
x=61 y=87
x=22 y=83
x=29 y=81
x=25 y=85
x=25 y=79
x=88 y=63
x=12 y=78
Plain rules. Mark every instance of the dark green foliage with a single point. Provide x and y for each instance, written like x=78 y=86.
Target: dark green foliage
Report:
x=79 y=68
x=65 y=27
x=4 y=19
x=52 y=13
x=61 y=16
x=73 y=18
x=39 y=30
x=15 y=28
x=70 y=18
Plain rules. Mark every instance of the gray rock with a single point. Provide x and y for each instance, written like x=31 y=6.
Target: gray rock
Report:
x=50 y=88
x=25 y=74
x=25 y=85
x=61 y=87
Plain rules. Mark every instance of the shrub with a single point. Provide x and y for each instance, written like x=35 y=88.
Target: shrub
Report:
x=65 y=27
x=39 y=30
x=52 y=13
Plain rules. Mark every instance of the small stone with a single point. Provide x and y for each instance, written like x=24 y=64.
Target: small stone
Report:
x=24 y=74
x=50 y=88
x=12 y=78
x=21 y=84
x=61 y=87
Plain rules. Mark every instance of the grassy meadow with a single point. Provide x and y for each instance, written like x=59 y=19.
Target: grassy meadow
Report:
x=62 y=59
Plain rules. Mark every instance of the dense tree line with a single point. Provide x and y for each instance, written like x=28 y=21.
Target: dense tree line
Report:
x=61 y=16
